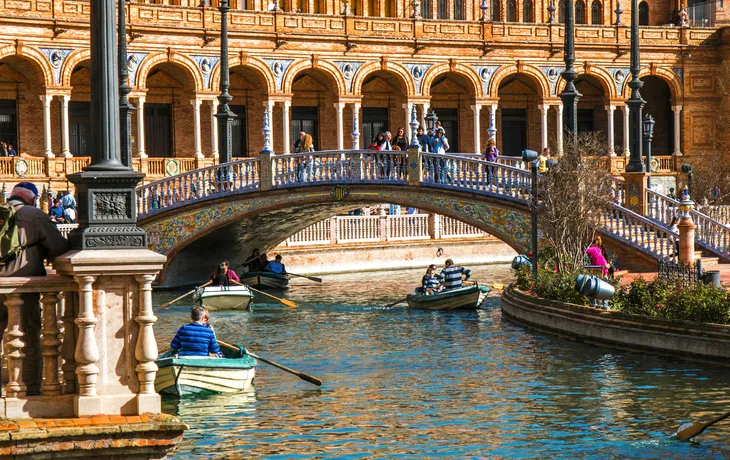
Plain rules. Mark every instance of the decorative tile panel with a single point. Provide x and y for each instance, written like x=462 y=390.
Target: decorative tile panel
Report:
x=206 y=64
x=417 y=72
x=56 y=57
x=485 y=73
x=348 y=69
x=278 y=67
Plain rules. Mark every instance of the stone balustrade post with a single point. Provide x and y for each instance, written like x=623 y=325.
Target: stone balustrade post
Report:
x=415 y=166
x=333 y=230
x=68 y=368
x=635 y=196
x=686 y=231
x=383 y=233
x=50 y=345
x=13 y=347
x=266 y=171
x=146 y=348
x=87 y=350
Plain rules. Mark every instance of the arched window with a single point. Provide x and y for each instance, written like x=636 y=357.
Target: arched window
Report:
x=442 y=12
x=511 y=11
x=526 y=11
x=596 y=13
x=458 y=10
x=580 y=12
x=496 y=10
x=426 y=9
x=561 y=12
x=643 y=14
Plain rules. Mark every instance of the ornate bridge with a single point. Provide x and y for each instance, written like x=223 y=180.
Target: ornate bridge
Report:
x=229 y=209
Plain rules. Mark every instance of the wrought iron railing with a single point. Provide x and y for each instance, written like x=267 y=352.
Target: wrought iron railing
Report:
x=683 y=273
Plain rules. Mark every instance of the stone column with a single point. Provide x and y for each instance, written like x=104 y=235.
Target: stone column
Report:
x=270 y=106
x=65 y=151
x=286 y=130
x=493 y=122
x=140 y=127
x=677 y=109
x=46 y=100
x=214 y=128
x=559 y=108
x=339 y=107
x=609 y=129
x=477 y=108
x=424 y=111
x=544 y=123
x=409 y=108
x=627 y=148
x=196 y=127
x=356 y=126
x=145 y=351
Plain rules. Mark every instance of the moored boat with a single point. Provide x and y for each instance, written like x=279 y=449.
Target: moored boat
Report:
x=466 y=297
x=224 y=297
x=195 y=375
x=269 y=280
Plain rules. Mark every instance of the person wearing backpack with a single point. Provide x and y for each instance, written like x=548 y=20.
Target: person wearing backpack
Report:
x=27 y=238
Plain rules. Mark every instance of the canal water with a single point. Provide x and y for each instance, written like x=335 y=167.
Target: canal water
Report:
x=400 y=383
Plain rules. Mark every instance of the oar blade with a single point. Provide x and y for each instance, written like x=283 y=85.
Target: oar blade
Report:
x=689 y=431
x=310 y=379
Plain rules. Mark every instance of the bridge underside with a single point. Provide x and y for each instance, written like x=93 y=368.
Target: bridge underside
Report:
x=196 y=238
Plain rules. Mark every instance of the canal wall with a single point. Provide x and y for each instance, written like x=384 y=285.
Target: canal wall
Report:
x=687 y=339
x=362 y=257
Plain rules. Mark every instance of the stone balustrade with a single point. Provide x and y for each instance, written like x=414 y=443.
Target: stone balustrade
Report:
x=388 y=228
x=143 y=16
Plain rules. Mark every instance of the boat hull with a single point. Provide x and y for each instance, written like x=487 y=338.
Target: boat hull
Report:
x=224 y=298
x=265 y=280
x=457 y=299
x=198 y=375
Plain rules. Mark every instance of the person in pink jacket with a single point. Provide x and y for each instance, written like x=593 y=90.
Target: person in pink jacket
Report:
x=596 y=255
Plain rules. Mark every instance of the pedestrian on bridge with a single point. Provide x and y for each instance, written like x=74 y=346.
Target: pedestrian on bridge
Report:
x=491 y=154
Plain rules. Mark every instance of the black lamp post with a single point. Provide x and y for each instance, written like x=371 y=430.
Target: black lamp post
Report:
x=431 y=120
x=530 y=157
x=635 y=102
x=648 y=134
x=125 y=108
x=225 y=116
x=570 y=94
x=106 y=189
x=687 y=169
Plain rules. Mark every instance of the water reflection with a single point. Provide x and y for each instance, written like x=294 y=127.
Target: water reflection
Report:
x=409 y=384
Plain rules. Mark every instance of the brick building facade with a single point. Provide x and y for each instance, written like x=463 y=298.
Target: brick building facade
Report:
x=313 y=70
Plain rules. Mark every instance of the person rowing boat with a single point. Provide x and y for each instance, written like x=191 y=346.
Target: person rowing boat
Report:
x=224 y=275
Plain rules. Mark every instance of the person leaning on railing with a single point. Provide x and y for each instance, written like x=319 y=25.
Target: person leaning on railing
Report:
x=40 y=240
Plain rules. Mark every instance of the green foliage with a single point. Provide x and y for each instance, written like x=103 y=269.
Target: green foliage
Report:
x=655 y=299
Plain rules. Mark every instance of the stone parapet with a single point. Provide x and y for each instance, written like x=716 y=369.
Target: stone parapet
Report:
x=686 y=339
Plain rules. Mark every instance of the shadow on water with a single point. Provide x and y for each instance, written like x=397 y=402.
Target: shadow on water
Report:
x=400 y=383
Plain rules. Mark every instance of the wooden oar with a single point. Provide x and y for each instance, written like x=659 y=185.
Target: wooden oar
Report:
x=690 y=430
x=395 y=303
x=301 y=375
x=245 y=263
x=312 y=278
x=498 y=286
x=288 y=303
x=165 y=305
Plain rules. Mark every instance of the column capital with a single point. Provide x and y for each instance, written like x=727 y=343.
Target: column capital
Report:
x=286 y=103
x=269 y=103
x=543 y=107
x=196 y=102
x=46 y=98
x=476 y=107
x=64 y=97
x=610 y=108
x=676 y=108
x=214 y=102
x=339 y=106
x=141 y=99
x=493 y=107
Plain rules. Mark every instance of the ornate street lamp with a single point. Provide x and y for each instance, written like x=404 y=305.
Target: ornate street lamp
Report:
x=125 y=108
x=648 y=134
x=635 y=102
x=106 y=189
x=570 y=94
x=431 y=120
x=225 y=116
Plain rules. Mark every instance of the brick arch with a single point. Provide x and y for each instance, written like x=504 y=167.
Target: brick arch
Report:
x=325 y=66
x=467 y=72
x=74 y=59
x=536 y=74
x=672 y=80
x=35 y=56
x=604 y=78
x=175 y=58
x=257 y=64
x=388 y=66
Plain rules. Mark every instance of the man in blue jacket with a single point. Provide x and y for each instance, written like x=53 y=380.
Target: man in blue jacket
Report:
x=195 y=339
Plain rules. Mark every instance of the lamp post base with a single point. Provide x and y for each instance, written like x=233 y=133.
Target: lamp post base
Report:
x=635 y=197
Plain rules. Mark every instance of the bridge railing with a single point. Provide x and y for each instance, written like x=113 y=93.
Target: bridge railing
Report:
x=475 y=175
x=201 y=183
x=339 y=166
x=640 y=232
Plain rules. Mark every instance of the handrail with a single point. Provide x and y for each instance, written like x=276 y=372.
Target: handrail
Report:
x=639 y=232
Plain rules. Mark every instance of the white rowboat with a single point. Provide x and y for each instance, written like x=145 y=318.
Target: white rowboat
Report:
x=224 y=297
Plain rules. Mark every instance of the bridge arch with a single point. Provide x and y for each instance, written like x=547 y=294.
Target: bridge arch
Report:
x=196 y=238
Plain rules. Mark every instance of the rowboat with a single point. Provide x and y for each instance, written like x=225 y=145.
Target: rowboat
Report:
x=224 y=297
x=453 y=299
x=265 y=280
x=198 y=375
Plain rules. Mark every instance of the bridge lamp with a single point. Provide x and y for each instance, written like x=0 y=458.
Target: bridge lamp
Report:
x=530 y=156
x=687 y=169
x=521 y=261
x=648 y=135
x=431 y=120
x=595 y=289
